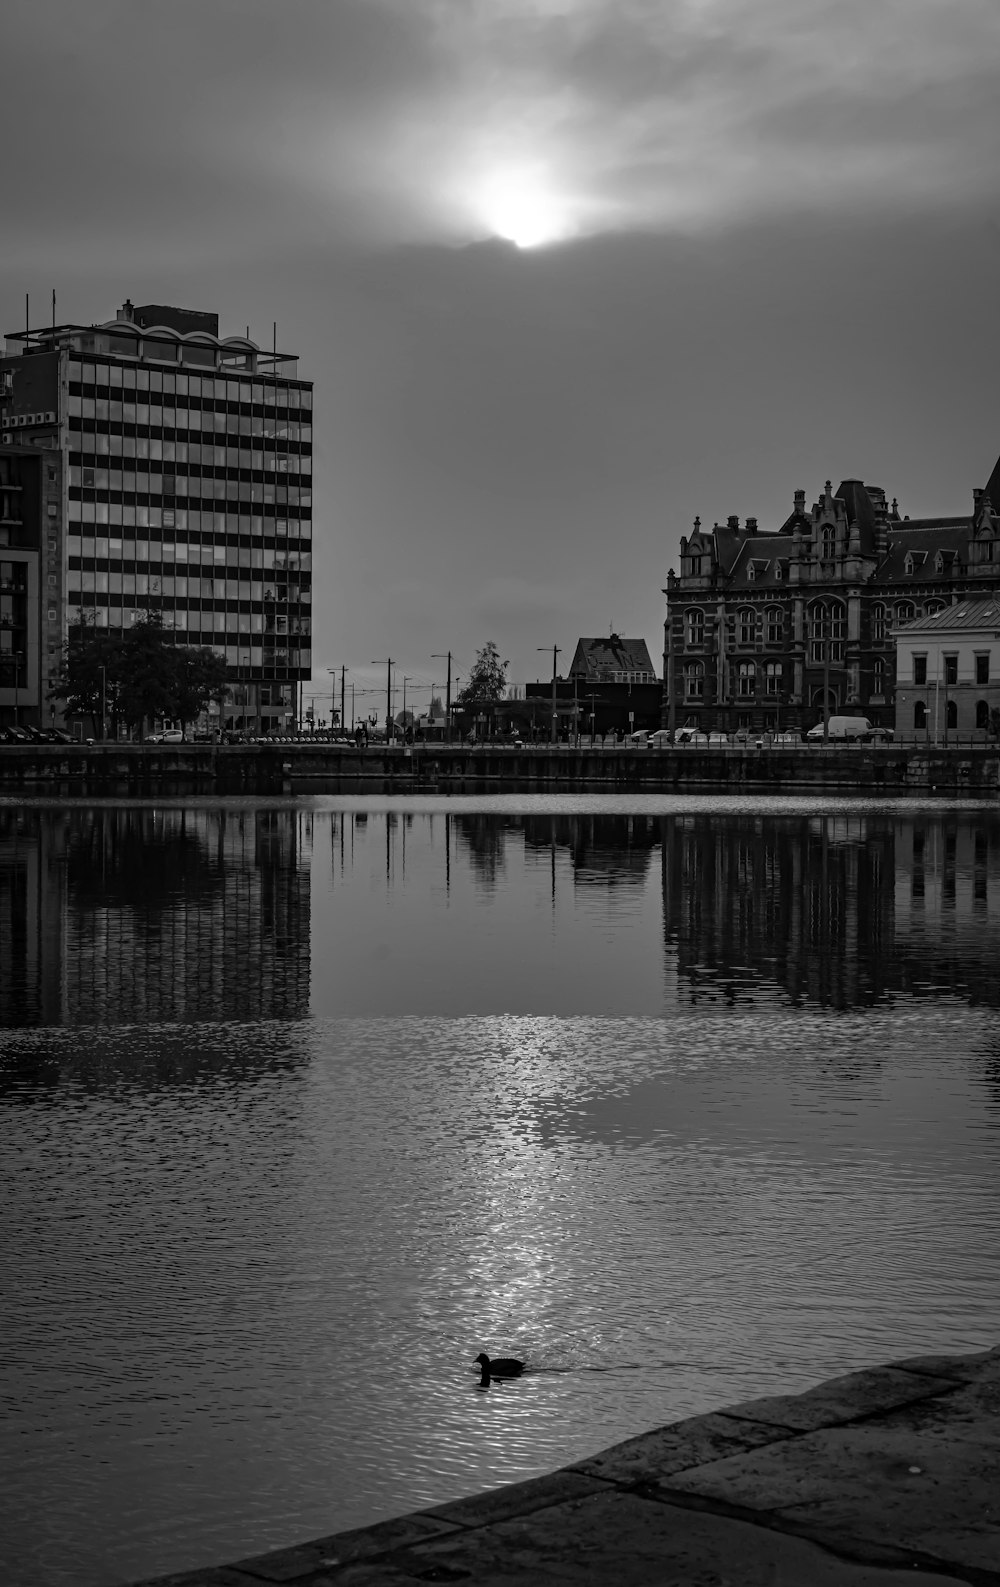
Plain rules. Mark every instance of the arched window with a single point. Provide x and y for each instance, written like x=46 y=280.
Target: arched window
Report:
x=904 y=612
x=878 y=675
x=878 y=623
x=747 y=680
x=828 y=540
x=951 y=716
x=772 y=677
x=694 y=680
x=774 y=619
x=827 y=622
x=695 y=625
x=982 y=714
x=933 y=607
x=920 y=714
x=748 y=625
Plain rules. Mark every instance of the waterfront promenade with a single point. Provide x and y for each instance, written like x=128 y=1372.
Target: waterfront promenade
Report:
x=298 y=767
x=876 y=1479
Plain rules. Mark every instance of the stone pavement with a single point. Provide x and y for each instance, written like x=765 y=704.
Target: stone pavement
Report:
x=880 y=1478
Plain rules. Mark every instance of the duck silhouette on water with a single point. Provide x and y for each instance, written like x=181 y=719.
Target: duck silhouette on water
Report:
x=499 y=1367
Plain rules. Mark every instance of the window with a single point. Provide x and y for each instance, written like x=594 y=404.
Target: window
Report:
x=982 y=714
x=878 y=623
x=920 y=714
x=695 y=626
x=983 y=667
x=950 y=670
x=772 y=678
x=747 y=625
x=747 y=680
x=827 y=627
x=920 y=669
x=878 y=676
x=951 y=715
x=775 y=623
x=829 y=540
x=904 y=612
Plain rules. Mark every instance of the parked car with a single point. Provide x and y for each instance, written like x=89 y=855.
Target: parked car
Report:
x=717 y=740
x=638 y=740
x=661 y=739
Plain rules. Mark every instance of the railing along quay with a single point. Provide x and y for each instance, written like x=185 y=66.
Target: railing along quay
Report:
x=276 y=768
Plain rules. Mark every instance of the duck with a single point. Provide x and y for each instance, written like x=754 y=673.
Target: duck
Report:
x=500 y=1367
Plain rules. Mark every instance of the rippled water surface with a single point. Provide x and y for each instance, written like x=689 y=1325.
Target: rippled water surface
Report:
x=305 y=1104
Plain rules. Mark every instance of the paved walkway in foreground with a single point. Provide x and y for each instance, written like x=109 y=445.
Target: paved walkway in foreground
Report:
x=883 y=1477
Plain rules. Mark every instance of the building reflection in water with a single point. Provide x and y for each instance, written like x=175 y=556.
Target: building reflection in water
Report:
x=145 y=916
x=836 y=910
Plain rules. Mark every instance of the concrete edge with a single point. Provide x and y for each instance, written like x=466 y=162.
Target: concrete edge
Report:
x=697 y=1441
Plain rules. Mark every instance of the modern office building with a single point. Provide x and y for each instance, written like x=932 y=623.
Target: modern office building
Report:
x=176 y=478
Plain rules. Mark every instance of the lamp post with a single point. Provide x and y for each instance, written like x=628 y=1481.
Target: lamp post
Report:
x=555 y=653
x=406 y=680
x=104 y=703
x=17 y=656
x=440 y=656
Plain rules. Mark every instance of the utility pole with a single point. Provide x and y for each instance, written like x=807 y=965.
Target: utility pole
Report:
x=342 y=672
x=388 y=697
x=406 y=680
x=440 y=656
x=555 y=653
x=827 y=624
x=333 y=693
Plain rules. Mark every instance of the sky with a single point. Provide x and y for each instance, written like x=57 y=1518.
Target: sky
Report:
x=566 y=273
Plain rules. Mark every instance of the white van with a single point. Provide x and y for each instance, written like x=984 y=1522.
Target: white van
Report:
x=844 y=728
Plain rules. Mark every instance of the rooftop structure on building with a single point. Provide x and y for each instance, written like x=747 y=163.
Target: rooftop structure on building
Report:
x=178 y=480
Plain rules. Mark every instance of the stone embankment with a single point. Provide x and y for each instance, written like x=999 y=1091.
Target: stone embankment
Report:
x=162 y=770
x=876 y=1479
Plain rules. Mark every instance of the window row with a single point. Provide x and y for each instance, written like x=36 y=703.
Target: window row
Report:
x=949 y=669
x=132 y=377
x=111 y=548
x=158 y=486
x=747 y=674
x=157 y=416
x=87 y=446
x=923 y=714
x=110 y=582
x=136 y=515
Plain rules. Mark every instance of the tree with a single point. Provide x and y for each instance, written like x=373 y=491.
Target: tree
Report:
x=137 y=674
x=487 y=684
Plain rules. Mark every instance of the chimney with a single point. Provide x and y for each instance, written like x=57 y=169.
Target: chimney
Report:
x=733 y=522
x=977 y=498
x=751 y=526
x=800 y=503
x=127 y=310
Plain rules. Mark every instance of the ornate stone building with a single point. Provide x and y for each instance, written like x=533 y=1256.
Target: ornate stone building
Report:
x=763 y=624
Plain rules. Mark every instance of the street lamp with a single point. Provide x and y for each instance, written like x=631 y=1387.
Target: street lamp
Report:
x=439 y=655
x=555 y=653
x=104 y=702
x=17 y=656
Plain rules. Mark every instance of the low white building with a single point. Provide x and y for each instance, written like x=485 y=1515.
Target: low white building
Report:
x=948 y=674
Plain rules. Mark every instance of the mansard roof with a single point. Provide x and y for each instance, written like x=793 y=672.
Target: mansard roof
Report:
x=759 y=549
x=610 y=653
x=924 y=538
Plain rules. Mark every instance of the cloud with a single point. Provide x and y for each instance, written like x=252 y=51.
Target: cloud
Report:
x=196 y=129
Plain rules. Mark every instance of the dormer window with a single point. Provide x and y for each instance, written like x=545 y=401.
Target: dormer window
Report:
x=908 y=564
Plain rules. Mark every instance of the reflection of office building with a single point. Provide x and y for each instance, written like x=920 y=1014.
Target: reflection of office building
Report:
x=182 y=485
x=947 y=903
x=147 y=916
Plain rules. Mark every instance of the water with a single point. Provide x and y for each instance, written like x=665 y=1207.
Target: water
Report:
x=304 y=1104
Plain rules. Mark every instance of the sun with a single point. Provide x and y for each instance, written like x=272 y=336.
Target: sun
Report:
x=524 y=210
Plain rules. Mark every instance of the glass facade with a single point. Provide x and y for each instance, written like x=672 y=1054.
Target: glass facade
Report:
x=190 y=494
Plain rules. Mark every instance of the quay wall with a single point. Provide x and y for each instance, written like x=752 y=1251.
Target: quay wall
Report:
x=177 y=770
